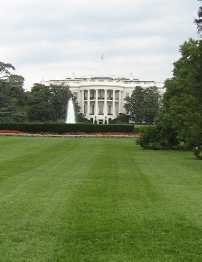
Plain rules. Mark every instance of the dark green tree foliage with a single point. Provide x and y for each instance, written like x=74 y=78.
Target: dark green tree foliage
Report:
x=143 y=104
x=180 y=120
x=135 y=104
x=151 y=104
x=183 y=97
x=48 y=103
x=59 y=98
x=5 y=69
x=12 y=95
x=41 y=104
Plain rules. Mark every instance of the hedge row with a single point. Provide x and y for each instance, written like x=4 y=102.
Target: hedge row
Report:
x=60 y=128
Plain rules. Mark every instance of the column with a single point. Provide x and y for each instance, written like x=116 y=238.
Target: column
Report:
x=105 y=103
x=120 y=99
x=105 y=106
x=96 y=103
x=113 y=104
x=88 y=108
x=82 y=101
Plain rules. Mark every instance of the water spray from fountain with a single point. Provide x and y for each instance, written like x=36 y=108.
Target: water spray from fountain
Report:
x=70 y=115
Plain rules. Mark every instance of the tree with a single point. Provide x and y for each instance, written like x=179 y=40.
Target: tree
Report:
x=135 y=105
x=5 y=69
x=143 y=104
x=180 y=120
x=39 y=107
x=59 y=98
x=47 y=103
x=183 y=97
x=151 y=104
x=12 y=95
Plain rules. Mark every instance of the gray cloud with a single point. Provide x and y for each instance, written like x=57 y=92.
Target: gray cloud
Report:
x=52 y=38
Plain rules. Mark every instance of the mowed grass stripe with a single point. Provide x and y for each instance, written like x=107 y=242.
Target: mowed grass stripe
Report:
x=32 y=163
x=98 y=200
x=46 y=190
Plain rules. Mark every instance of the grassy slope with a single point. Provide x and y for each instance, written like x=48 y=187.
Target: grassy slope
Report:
x=98 y=200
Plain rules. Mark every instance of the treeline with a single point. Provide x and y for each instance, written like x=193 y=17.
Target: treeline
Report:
x=41 y=104
x=48 y=103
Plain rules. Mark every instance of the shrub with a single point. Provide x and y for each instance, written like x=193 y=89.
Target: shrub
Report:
x=150 y=139
x=198 y=152
x=61 y=128
x=156 y=137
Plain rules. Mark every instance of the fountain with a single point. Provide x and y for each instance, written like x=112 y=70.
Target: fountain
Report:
x=70 y=115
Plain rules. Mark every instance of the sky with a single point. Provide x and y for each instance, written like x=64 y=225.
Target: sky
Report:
x=47 y=39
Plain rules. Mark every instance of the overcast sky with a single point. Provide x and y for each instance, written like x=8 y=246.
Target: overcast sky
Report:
x=47 y=39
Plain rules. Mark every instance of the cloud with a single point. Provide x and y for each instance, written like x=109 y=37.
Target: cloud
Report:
x=52 y=38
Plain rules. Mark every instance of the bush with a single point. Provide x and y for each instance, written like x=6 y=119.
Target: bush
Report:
x=156 y=137
x=150 y=139
x=198 y=152
x=61 y=128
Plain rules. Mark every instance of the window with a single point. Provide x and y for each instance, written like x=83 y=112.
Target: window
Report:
x=75 y=94
x=85 y=107
x=85 y=94
x=101 y=94
x=101 y=108
x=92 y=108
x=117 y=94
x=117 y=108
x=109 y=108
x=92 y=94
x=109 y=94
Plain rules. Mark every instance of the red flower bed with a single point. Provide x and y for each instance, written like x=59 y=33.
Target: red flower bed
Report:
x=99 y=134
x=5 y=131
x=103 y=134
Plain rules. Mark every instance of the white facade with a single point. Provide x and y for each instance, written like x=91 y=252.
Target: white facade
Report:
x=102 y=98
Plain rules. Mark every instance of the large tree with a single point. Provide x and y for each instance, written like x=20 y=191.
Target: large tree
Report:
x=47 y=103
x=12 y=95
x=180 y=119
x=183 y=98
x=143 y=104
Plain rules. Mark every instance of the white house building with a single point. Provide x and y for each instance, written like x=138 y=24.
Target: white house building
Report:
x=102 y=99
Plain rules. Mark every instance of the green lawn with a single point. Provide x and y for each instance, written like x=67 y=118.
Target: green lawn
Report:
x=89 y=200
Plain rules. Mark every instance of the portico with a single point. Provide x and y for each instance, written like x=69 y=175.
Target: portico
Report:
x=101 y=104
